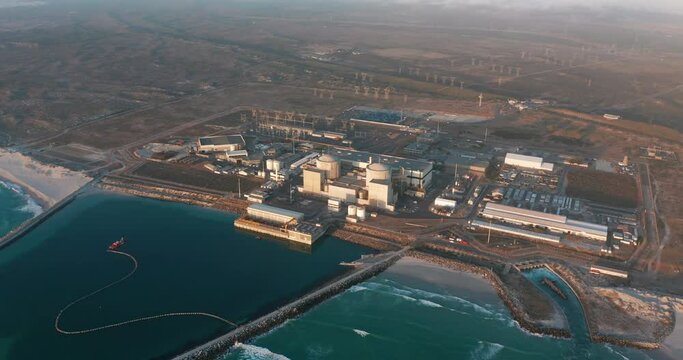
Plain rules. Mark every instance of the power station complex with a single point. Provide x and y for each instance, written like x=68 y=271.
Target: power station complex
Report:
x=371 y=181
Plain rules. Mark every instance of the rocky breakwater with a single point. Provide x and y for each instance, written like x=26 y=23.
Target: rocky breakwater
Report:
x=219 y=346
x=167 y=193
x=384 y=234
x=364 y=239
x=529 y=307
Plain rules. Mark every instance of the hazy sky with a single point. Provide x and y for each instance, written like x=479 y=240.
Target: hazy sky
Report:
x=652 y=5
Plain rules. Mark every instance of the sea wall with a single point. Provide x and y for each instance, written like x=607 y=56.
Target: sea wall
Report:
x=364 y=240
x=166 y=193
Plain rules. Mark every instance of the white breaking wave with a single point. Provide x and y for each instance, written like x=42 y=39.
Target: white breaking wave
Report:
x=361 y=332
x=486 y=350
x=613 y=351
x=357 y=288
x=412 y=294
x=253 y=352
x=31 y=205
x=430 y=303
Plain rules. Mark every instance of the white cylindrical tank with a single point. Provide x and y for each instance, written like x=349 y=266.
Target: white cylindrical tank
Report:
x=330 y=165
x=269 y=164
x=352 y=210
x=360 y=212
x=277 y=165
x=377 y=171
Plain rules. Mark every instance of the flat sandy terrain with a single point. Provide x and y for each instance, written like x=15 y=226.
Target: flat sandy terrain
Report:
x=47 y=183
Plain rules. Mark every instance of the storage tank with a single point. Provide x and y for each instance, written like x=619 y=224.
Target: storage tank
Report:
x=330 y=165
x=377 y=171
x=352 y=210
x=360 y=212
x=269 y=164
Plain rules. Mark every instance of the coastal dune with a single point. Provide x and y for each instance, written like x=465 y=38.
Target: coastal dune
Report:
x=48 y=184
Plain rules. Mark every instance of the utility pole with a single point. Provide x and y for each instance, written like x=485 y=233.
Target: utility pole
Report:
x=486 y=135
x=488 y=241
x=455 y=175
x=239 y=188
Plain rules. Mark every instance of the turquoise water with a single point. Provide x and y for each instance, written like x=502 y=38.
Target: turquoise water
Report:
x=190 y=260
x=15 y=207
x=395 y=317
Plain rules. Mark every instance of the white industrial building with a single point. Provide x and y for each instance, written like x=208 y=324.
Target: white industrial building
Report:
x=280 y=223
x=232 y=145
x=603 y=270
x=445 y=202
x=555 y=223
x=407 y=173
x=375 y=189
x=273 y=214
x=529 y=162
x=517 y=231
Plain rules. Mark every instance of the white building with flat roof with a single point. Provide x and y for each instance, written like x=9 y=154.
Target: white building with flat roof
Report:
x=273 y=214
x=552 y=222
x=222 y=143
x=526 y=161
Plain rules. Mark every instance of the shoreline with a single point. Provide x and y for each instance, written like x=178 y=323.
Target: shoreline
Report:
x=41 y=199
x=504 y=294
x=479 y=266
x=46 y=183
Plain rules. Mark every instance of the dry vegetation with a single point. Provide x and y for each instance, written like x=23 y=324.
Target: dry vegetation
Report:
x=196 y=176
x=603 y=187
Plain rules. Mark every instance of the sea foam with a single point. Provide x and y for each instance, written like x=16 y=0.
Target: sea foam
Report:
x=253 y=352
x=361 y=332
x=30 y=206
x=486 y=350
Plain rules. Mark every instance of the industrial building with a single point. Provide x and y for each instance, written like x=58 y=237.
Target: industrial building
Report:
x=273 y=214
x=406 y=173
x=529 y=162
x=232 y=145
x=375 y=117
x=468 y=161
x=552 y=222
x=280 y=223
x=603 y=270
x=516 y=231
x=375 y=189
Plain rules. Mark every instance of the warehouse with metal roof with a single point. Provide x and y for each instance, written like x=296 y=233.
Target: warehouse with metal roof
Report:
x=552 y=222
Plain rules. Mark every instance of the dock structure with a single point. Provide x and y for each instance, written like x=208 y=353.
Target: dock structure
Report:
x=280 y=223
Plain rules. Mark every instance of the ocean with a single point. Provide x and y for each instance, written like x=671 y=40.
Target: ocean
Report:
x=399 y=316
x=189 y=259
x=16 y=206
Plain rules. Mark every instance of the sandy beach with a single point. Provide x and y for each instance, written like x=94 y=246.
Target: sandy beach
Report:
x=411 y=270
x=48 y=184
